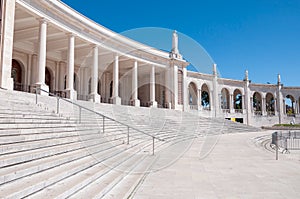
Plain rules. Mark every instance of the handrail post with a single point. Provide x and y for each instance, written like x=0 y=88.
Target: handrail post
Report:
x=276 y=145
x=57 y=105
x=36 y=97
x=127 y=134
x=79 y=115
x=152 y=145
x=103 y=124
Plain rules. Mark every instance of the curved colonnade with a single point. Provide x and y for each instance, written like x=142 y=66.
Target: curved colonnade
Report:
x=47 y=44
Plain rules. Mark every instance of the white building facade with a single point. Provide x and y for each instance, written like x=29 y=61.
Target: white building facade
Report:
x=48 y=45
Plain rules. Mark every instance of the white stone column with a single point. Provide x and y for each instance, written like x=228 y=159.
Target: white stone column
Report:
x=7 y=34
x=296 y=107
x=56 y=76
x=116 y=99
x=42 y=57
x=211 y=101
x=94 y=90
x=135 y=101
x=275 y=106
x=108 y=79
x=184 y=90
x=248 y=100
x=198 y=99
x=34 y=69
x=62 y=71
x=215 y=91
x=231 y=103
x=243 y=104
x=280 y=101
x=29 y=70
x=85 y=86
x=70 y=92
x=167 y=89
x=153 y=103
x=264 y=108
x=175 y=86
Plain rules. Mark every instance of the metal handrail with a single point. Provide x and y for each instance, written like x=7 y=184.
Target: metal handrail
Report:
x=97 y=113
x=286 y=140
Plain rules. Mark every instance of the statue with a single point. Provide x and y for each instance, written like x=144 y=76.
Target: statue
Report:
x=175 y=43
x=278 y=79
x=246 y=75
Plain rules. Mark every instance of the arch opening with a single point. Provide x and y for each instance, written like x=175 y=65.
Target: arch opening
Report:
x=290 y=105
x=16 y=75
x=257 y=101
x=270 y=104
x=225 y=101
x=238 y=101
x=205 y=101
x=193 y=96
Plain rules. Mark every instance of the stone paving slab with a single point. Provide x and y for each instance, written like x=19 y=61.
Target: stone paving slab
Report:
x=235 y=168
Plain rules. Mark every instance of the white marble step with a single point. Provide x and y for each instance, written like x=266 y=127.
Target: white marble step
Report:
x=28 y=168
x=13 y=144
x=18 y=158
x=125 y=187
x=100 y=171
x=26 y=186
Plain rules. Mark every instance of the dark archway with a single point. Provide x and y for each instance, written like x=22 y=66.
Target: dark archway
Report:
x=76 y=82
x=65 y=82
x=99 y=87
x=257 y=101
x=270 y=104
x=225 y=102
x=90 y=86
x=193 y=96
x=205 y=102
x=290 y=105
x=238 y=99
x=111 y=88
x=48 y=79
x=16 y=74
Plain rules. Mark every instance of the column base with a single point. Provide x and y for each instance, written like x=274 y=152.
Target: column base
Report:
x=168 y=105
x=42 y=87
x=71 y=94
x=176 y=107
x=135 y=102
x=116 y=100
x=8 y=84
x=153 y=104
x=95 y=98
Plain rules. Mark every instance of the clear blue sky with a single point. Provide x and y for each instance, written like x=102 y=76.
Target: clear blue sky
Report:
x=262 y=36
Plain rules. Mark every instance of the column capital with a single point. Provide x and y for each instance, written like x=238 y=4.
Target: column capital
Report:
x=43 y=20
x=71 y=35
x=93 y=46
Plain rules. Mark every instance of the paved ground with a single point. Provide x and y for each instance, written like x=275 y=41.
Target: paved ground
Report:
x=235 y=168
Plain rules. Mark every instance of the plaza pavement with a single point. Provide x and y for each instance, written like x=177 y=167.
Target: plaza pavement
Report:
x=235 y=168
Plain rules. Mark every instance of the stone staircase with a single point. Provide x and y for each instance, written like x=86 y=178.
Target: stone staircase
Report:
x=46 y=154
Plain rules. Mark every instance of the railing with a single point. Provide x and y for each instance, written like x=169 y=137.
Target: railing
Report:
x=238 y=110
x=270 y=113
x=225 y=110
x=258 y=113
x=61 y=94
x=207 y=108
x=37 y=90
x=287 y=141
x=193 y=107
